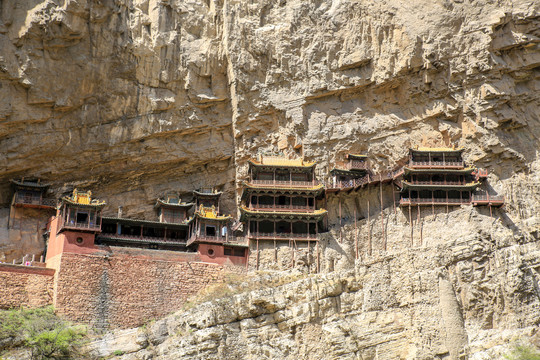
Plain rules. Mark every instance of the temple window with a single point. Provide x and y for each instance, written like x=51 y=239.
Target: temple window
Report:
x=210 y=230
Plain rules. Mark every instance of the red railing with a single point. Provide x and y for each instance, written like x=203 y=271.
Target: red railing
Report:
x=356 y=165
x=368 y=179
x=142 y=238
x=409 y=201
x=216 y=239
x=488 y=199
x=449 y=164
x=78 y=225
x=34 y=200
x=416 y=182
x=280 y=183
x=262 y=207
x=284 y=236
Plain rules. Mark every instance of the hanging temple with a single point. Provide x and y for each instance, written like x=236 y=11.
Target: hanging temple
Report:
x=281 y=201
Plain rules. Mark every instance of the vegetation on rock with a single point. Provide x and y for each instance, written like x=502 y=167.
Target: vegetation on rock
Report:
x=45 y=335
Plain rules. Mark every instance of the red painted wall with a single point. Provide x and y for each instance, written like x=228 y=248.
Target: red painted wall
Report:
x=214 y=253
x=66 y=241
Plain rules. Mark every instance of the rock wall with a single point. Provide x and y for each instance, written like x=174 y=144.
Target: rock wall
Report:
x=127 y=287
x=134 y=98
x=467 y=299
x=24 y=286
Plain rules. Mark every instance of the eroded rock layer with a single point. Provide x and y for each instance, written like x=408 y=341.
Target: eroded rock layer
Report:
x=134 y=98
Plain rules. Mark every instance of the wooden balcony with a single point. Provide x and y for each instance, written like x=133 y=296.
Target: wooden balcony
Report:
x=432 y=201
x=33 y=201
x=368 y=179
x=142 y=239
x=225 y=240
x=285 y=183
x=81 y=226
x=283 y=236
x=439 y=183
x=282 y=208
x=486 y=199
x=355 y=165
x=437 y=164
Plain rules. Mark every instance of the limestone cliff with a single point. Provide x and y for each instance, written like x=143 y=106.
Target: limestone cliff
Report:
x=133 y=98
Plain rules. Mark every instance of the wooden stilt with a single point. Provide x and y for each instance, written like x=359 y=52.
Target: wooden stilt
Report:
x=410 y=223
x=340 y=236
x=318 y=260
x=382 y=213
x=421 y=226
x=369 y=222
x=355 y=234
x=257 y=261
x=308 y=253
x=294 y=253
x=394 y=196
x=275 y=252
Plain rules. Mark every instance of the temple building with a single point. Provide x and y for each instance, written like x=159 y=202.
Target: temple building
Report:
x=169 y=233
x=29 y=194
x=78 y=220
x=211 y=231
x=344 y=174
x=280 y=201
x=439 y=176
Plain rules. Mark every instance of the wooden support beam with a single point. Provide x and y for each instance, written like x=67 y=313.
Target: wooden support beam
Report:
x=318 y=260
x=257 y=262
x=421 y=225
x=340 y=236
x=355 y=234
x=382 y=213
x=369 y=222
x=275 y=251
x=410 y=223
x=308 y=253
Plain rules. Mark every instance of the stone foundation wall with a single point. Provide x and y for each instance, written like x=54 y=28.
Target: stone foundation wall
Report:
x=126 y=289
x=25 y=286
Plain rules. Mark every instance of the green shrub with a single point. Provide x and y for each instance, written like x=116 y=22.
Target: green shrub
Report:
x=523 y=352
x=42 y=332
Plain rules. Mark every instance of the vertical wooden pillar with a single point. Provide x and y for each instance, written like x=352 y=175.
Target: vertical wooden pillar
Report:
x=382 y=213
x=355 y=234
x=369 y=221
x=340 y=238
x=394 y=196
x=410 y=223
x=318 y=260
x=257 y=261
x=421 y=225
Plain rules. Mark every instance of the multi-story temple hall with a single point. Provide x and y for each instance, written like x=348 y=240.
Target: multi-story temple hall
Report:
x=211 y=231
x=279 y=201
x=439 y=176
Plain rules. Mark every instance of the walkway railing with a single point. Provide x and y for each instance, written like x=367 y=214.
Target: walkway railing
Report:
x=488 y=199
x=438 y=182
x=284 y=236
x=79 y=225
x=356 y=165
x=262 y=207
x=365 y=180
x=410 y=201
x=282 y=183
x=142 y=238
x=34 y=200
x=231 y=240
x=449 y=164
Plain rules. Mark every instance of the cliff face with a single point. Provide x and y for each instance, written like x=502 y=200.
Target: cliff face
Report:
x=135 y=98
